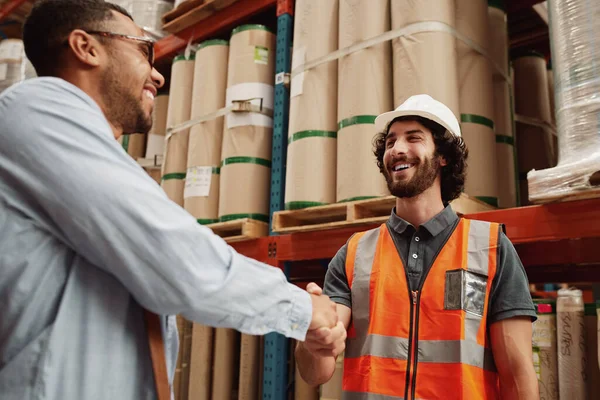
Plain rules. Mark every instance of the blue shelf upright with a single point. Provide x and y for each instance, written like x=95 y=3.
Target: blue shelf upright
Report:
x=275 y=374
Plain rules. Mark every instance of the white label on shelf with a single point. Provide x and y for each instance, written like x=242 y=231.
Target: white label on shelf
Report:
x=197 y=182
x=279 y=78
x=3 y=71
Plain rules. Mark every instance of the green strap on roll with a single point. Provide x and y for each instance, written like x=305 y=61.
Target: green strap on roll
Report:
x=298 y=205
x=358 y=198
x=250 y=27
x=357 y=120
x=233 y=217
x=493 y=201
x=311 y=133
x=216 y=170
x=246 y=160
x=174 y=175
x=207 y=221
x=505 y=139
x=125 y=143
x=213 y=42
x=477 y=119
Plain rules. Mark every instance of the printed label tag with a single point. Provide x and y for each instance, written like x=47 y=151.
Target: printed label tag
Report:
x=543 y=330
x=197 y=182
x=261 y=55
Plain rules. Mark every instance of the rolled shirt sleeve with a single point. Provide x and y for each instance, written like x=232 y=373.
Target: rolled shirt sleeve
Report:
x=59 y=155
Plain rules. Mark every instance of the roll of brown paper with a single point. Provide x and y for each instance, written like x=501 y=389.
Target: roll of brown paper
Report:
x=535 y=146
x=134 y=144
x=571 y=344
x=503 y=109
x=201 y=361
x=311 y=153
x=425 y=63
x=179 y=110
x=477 y=102
x=246 y=152
x=360 y=100
x=249 y=362
x=225 y=364
x=545 y=353
x=201 y=193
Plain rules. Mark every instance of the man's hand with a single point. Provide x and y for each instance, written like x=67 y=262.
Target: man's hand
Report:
x=325 y=341
x=324 y=313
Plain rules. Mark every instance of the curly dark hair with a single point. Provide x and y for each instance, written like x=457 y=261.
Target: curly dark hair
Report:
x=448 y=146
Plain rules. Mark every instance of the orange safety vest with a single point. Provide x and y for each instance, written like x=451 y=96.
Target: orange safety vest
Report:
x=427 y=344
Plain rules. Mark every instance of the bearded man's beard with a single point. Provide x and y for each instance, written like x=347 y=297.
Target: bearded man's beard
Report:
x=423 y=178
x=122 y=107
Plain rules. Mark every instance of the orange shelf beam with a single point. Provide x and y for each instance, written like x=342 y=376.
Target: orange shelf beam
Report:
x=220 y=21
x=9 y=7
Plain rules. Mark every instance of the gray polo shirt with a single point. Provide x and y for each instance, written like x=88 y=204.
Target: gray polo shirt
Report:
x=510 y=296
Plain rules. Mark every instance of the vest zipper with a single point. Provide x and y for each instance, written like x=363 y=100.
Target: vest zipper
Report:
x=412 y=358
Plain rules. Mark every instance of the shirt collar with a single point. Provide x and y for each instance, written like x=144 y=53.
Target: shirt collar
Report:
x=434 y=226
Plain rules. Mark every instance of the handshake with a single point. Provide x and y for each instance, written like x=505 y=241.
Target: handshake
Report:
x=326 y=336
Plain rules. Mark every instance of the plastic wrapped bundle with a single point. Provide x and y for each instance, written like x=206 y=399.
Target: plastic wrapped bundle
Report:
x=14 y=65
x=575 y=41
x=148 y=14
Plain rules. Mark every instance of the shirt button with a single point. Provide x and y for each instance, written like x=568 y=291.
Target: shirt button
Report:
x=294 y=326
x=415 y=255
x=417 y=239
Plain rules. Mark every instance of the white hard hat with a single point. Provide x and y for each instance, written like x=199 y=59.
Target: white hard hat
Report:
x=424 y=106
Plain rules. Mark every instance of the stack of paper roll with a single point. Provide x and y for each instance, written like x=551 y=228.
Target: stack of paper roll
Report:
x=591 y=357
x=311 y=153
x=176 y=148
x=425 y=62
x=503 y=107
x=246 y=154
x=201 y=194
x=201 y=361
x=571 y=344
x=225 y=364
x=332 y=390
x=155 y=143
x=477 y=101
x=360 y=100
x=545 y=356
x=535 y=146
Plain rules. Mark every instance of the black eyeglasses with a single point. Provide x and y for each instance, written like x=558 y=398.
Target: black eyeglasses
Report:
x=149 y=42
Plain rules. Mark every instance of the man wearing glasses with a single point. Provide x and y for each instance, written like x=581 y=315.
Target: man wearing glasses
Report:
x=88 y=241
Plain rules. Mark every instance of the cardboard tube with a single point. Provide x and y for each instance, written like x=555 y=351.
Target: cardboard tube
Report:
x=361 y=100
x=201 y=193
x=249 y=363
x=545 y=355
x=417 y=59
x=134 y=144
x=477 y=102
x=571 y=344
x=201 y=360
x=246 y=152
x=311 y=153
x=225 y=364
x=179 y=110
x=535 y=146
x=332 y=390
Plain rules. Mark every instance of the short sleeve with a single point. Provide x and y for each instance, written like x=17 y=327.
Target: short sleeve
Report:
x=510 y=296
x=336 y=281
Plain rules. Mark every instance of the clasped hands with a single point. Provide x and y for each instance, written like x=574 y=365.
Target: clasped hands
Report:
x=326 y=336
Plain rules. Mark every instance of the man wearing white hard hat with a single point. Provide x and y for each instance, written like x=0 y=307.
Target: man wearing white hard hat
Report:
x=435 y=306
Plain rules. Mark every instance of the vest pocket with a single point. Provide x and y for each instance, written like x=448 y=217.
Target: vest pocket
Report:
x=465 y=290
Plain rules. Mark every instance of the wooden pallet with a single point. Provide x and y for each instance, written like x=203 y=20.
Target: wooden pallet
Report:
x=240 y=229
x=191 y=12
x=364 y=212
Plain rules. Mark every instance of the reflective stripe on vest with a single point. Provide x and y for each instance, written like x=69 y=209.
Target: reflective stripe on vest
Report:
x=465 y=260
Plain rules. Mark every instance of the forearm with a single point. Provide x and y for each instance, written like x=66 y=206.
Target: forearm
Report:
x=315 y=370
x=522 y=384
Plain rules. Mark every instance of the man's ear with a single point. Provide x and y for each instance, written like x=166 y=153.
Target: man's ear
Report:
x=85 y=48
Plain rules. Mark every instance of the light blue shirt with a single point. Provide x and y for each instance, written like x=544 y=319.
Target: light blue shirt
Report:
x=87 y=240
